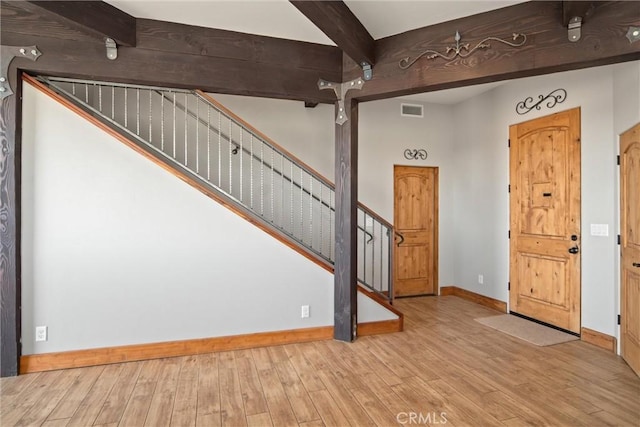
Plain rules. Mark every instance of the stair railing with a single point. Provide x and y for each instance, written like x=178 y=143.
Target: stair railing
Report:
x=196 y=134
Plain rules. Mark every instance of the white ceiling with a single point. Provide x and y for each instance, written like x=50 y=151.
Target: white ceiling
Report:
x=278 y=18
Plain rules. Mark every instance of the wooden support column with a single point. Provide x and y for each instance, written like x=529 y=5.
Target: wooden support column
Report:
x=10 y=130
x=346 y=247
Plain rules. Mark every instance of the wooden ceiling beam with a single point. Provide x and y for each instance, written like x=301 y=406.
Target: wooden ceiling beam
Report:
x=547 y=49
x=580 y=9
x=337 y=21
x=176 y=55
x=95 y=18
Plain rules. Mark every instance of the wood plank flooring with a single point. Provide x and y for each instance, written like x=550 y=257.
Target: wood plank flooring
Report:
x=444 y=369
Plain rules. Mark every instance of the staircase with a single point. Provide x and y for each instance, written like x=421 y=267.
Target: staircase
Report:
x=201 y=141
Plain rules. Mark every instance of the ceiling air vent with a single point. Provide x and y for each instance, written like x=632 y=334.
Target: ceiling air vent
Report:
x=412 y=110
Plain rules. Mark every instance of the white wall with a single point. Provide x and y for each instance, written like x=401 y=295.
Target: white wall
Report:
x=383 y=136
x=481 y=211
x=117 y=251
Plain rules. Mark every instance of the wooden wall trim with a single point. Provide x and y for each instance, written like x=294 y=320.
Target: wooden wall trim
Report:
x=474 y=297
x=380 y=327
x=131 y=353
x=599 y=339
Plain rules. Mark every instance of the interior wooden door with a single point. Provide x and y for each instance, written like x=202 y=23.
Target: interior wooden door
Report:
x=416 y=226
x=630 y=247
x=545 y=219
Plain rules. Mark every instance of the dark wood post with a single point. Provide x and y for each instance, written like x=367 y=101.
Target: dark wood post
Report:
x=10 y=130
x=346 y=247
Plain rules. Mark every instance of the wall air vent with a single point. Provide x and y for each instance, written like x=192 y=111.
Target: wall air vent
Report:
x=412 y=110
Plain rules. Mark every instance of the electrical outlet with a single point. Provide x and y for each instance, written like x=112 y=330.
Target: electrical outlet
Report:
x=480 y=279
x=305 y=311
x=41 y=333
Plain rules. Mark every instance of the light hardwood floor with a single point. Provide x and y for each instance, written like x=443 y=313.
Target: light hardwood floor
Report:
x=445 y=366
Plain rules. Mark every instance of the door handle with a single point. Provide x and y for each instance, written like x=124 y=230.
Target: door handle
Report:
x=636 y=264
x=574 y=250
x=401 y=238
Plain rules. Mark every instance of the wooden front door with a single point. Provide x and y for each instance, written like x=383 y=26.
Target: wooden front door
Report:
x=630 y=247
x=545 y=219
x=416 y=224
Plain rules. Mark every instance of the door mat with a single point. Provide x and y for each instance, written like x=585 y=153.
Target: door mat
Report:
x=526 y=330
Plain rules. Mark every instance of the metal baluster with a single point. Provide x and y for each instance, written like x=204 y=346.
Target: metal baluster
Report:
x=126 y=102
x=311 y=210
x=272 y=189
x=138 y=111
x=281 y=191
x=251 y=173
x=86 y=93
x=230 y=156
x=381 y=258
x=162 y=124
x=100 y=98
x=321 y=218
x=241 y=156
x=113 y=101
x=198 y=136
x=291 y=195
x=261 y=177
x=174 y=125
x=208 y=142
x=373 y=254
x=219 y=149
x=364 y=249
x=186 y=129
x=301 y=208
x=73 y=89
x=150 y=116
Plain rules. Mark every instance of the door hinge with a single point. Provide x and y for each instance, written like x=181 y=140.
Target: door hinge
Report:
x=509 y=233
x=508 y=286
x=618 y=239
x=618 y=160
x=509 y=188
x=509 y=142
x=618 y=319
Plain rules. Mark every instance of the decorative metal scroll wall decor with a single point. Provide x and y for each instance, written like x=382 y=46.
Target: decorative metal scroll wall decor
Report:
x=555 y=97
x=415 y=154
x=462 y=49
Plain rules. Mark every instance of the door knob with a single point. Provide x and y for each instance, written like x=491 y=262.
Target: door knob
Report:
x=574 y=250
x=636 y=264
x=401 y=238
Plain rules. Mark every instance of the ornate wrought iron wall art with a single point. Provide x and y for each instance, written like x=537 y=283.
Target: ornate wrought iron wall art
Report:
x=415 y=154
x=555 y=97
x=462 y=49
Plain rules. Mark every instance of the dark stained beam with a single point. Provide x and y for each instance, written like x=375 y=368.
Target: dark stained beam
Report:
x=180 y=56
x=346 y=246
x=337 y=21
x=581 y=9
x=10 y=130
x=547 y=50
x=96 y=18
